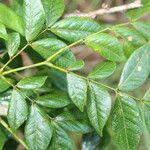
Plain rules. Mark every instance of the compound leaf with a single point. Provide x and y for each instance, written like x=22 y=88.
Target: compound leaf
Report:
x=3 y=32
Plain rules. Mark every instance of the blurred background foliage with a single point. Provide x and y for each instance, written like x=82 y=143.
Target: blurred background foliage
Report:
x=88 y=141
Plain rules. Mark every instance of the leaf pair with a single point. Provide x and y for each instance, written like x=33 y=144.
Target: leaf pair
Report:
x=98 y=101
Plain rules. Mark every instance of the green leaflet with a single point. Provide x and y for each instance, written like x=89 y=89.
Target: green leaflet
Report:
x=75 y=28
x=102 y=70
x=136 y=69
x=74 y=121
x=56 y=99
x=34 y=18
x=98 y=106
x=18 y=110
x=13 y=43
x=77 y=89
x=38 y=130
x=3 y=137
x=48 y=46
x=131 y=35
x=126 y=123
x=3 y=32
x=76 y=65
x=145 y=109
x=31 y=83
x=143 y=28
x=107 y=46
x=10 y=19
x=60 y=140
x=140 y=12
x=4 y=85
x=53 y=10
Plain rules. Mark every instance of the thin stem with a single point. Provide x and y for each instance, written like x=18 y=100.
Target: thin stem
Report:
x=13 y=57
x=4 y=124
x=17 y=89
x=23 y=68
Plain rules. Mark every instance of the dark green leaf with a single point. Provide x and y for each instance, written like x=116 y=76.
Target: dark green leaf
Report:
x=53 y=10
x=3 y=33
x=34 y=18
x=98 y=106
x=75 y=28
x=140 y=12
x=10 y=19
x=56 y=99
x=131 y=35
x=60 y=140
x=47 y=47
x=136 y=70
x=13 y=43
x=77 y=89
x=18 y=110
x=76 y=65
x=38 y=131
x=143 y=28
x=126 y=123
x=30 y=83
x=3 y=138
x=74 y=122
x=103 y=70
x=4 y=85
x=107 y=46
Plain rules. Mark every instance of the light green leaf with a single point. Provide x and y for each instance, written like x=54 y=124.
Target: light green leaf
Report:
x=53 y=10
x=31 y=83
x=34 y=18
x=106 y=45
x=47 y=47
x=143 y=28
x=10 y=19
x=38 y=130
x=60 y=140
x=102 y=70
x=126 y=123
x=74 y=122
x=4 y=85
x=77 y=89
x=13 y=43
x=75 y=28
x=139 y=12
x=98 y=106
x=56 y=99
x=76 y=65
x=131 y=35
x=136 y=69
x=18 y=110
x=3 y=32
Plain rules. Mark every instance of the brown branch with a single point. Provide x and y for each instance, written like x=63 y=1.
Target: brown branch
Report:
x=102 y=11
